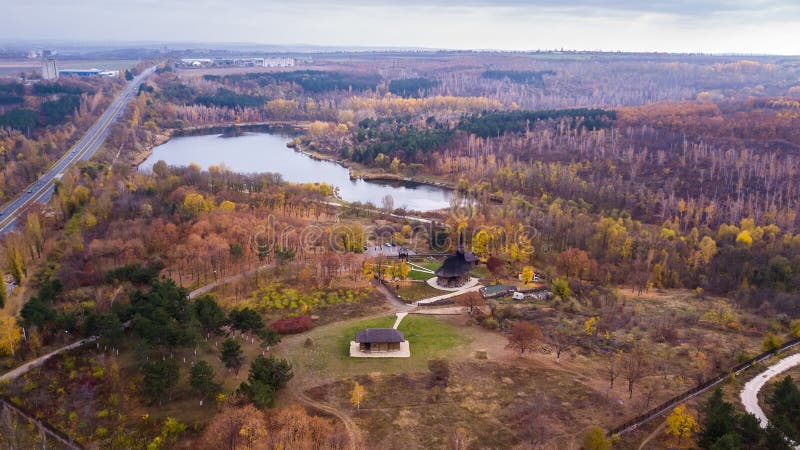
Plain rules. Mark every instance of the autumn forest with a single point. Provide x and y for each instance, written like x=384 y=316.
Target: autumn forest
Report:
x=633 y=217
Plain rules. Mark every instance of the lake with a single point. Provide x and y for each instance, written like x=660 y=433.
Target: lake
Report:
x=267 y=152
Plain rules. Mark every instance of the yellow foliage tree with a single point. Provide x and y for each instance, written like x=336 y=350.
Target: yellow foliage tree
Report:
x=771 y=342
x=227 y=205
x=707 y=249
x=195 y=203
x=744 y=238
x=357 y=395
x=10 y=335
x=3 y=291
x=796 y=328
x=316 y=129
x=16 y=256
x=590 y=326
x=404 y=270
x=367 y=270
x=596 y=439
x=527 y=275
x=681 y=424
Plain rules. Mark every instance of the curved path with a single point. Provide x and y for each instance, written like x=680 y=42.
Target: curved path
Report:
x=749 y=394
x=202 y=290
x=353 y=432
x=437 y=298
x=10 y=375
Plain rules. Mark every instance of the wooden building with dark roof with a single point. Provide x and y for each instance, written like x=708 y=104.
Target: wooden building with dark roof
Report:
x=379 y=340
x=456 y=268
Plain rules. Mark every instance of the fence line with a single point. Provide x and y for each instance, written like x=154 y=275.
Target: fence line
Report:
x=699 y=389
x=45 y=427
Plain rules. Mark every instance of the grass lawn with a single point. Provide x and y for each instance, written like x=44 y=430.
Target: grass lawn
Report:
x=417 y=275
x=328 y=357
x=428 y=264
x=416 y=290
x=426 y=336
x=480 y=272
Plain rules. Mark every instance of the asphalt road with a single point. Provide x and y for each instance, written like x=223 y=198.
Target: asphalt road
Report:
x=749 y=394
x=84 y=149
x=750 y=391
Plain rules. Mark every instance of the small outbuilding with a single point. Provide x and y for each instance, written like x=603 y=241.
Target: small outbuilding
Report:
x=379 y=340
x=496 y=290
x=379 y=343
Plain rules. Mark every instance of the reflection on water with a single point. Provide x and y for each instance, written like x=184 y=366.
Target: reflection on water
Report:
x=267 y=152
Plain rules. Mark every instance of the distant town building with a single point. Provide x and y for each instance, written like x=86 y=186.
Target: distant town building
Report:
x=49 y=68
x=88 y=73
x=237 y=62
x=196 y=62
x=278 y=62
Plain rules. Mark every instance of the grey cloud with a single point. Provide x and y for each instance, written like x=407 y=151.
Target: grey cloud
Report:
x=663 y=25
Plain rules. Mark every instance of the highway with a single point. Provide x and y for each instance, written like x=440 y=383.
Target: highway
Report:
x=84 y=149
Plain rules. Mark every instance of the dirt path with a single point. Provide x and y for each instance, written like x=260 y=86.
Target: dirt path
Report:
x=396 y=304
x=215 y=284
x=353 y=432
x=652 y=435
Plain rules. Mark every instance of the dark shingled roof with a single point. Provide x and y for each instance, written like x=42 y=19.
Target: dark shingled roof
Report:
x=457 y=265
x=379 y=335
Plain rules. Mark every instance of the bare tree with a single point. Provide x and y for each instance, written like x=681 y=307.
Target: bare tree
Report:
x=533 y=417
x=561 y=338
x=387 y=204
x=613 y=369
x=635 y=365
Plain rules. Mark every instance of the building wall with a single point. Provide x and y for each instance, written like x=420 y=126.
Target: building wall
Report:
x=49 y=69
x=278 y=62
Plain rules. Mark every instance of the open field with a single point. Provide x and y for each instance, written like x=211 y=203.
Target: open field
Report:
x=327 y=358
x=494 y=399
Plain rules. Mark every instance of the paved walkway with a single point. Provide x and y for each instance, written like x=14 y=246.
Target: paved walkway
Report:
x=750 y=391
x=445 y=311
x=420 y=268
x=472 y=282
x=8 y=376
x=404 y=352
x=400 y=317
x=435 y=299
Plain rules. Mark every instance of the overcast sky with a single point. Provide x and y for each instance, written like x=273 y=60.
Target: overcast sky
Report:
x=741 y=26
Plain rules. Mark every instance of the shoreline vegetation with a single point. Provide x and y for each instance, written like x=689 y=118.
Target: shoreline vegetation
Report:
x=357 y=171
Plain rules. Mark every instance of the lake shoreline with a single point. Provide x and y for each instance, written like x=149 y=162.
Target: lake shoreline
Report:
x=357 y=171
x=200 y=130
x=203 y=147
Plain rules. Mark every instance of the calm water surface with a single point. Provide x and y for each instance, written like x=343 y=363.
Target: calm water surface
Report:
x=267 y=152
